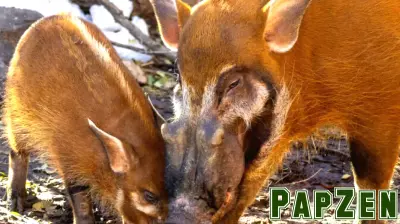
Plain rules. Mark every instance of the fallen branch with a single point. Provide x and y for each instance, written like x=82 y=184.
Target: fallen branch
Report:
x=301 y=181
x=141 y=37
x=155 y=109
x=277 y=182
x=139 y=50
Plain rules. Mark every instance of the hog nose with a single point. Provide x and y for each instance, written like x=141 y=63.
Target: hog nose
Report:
x=217 y=137
x=171 y=132
x=212 y=133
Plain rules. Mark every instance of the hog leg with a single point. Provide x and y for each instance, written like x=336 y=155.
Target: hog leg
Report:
x=17 y=171
x=373 y=165
x=264 y=165
x=81 y=204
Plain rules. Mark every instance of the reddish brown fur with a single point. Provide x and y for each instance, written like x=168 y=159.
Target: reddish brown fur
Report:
x=56 y=82
x=344 y=70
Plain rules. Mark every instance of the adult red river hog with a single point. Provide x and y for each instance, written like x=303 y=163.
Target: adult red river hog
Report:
x=70 y=99
x=258 y=75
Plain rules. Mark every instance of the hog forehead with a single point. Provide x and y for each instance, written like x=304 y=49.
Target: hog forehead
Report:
x=193 y=104
x=208 y=43
x=201 y=60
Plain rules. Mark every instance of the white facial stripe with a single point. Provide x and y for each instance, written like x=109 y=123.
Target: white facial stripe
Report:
x=181 y=102
x=177 y=101
x=146 y=208
x=186 y=103
x=208 y=97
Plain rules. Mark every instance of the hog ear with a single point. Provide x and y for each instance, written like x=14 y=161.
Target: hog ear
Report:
x=283 y=23
x=171 y=16
x=117 y=151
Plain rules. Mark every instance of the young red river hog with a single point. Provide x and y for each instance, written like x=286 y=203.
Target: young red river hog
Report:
x=257 y=75
x=70 y=99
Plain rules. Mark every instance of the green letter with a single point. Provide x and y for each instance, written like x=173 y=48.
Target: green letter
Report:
x=346 y=196
x=388 y=204
x=322 y=201
x=366 y=204
x=301 y=208
x=278 y=199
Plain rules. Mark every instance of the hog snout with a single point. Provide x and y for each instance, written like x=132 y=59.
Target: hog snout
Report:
x=185 y=210
x=210 y=133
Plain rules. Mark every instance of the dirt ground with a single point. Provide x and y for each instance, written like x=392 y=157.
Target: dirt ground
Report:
x=320 y=166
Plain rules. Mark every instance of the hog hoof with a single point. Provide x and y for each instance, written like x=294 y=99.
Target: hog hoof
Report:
x=84 y=214
x=15 y=201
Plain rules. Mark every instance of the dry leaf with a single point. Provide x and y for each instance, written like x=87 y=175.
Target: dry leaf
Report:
x=346 y=176
x=41 y=206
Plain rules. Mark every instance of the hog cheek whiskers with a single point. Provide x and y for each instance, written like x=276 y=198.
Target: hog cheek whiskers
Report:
x=281 y=109
x=177 y=102
x=119 y=199
x=181 y=103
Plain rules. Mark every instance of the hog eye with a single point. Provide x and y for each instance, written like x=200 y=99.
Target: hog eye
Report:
x=150 y=197
x=234 y=84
